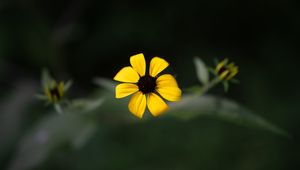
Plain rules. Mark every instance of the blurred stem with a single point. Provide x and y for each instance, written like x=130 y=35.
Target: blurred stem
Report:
x=209 y=85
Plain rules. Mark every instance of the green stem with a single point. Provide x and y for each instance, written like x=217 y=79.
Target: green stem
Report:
x=209 y=85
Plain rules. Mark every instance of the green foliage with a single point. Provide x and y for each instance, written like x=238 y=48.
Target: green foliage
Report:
x=73 y=128
x=46 y=78
x=82 y=119
x=192 y=106
x=201 y=70
x=226 y=86
x=48 y=135
x=195 y=105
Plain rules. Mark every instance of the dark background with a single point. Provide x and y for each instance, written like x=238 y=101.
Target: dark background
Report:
x=87 y=39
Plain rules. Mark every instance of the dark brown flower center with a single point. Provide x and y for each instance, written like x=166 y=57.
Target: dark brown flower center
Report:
x=55 y=93
x=147 y=84
x=223 y=69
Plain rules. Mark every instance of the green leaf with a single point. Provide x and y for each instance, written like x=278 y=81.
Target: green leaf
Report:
x=226 y=86
x=58 y=108
x=46 y=78
x=192 y=106
x=41 y=97
x=201 y=70
x=86 y=105
x=50 y=134
x=68 y=85
x=105 y=83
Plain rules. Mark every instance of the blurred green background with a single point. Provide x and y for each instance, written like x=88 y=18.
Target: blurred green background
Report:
x=84 y=39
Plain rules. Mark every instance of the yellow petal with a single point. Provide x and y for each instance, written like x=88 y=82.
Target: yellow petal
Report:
x=127 y=75
x=221 y=64
x=167 y=87
x=233 y=72
x=47 y=92
x=231 y=66
x=169 y=93
x=224 y=74
x=137 y=104
x=166 y=80
x=157 y=65
x=61 y=89
x=125 y=89
x=156 y=104
x=138 y=63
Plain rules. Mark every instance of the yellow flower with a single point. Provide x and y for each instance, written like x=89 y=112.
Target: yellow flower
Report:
x=226 y=71
x=54 y=92
x=147 y=89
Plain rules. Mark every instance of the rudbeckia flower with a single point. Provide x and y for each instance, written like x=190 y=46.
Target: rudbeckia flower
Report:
x=54 y=91
x=148 y=89
x=226 y=70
